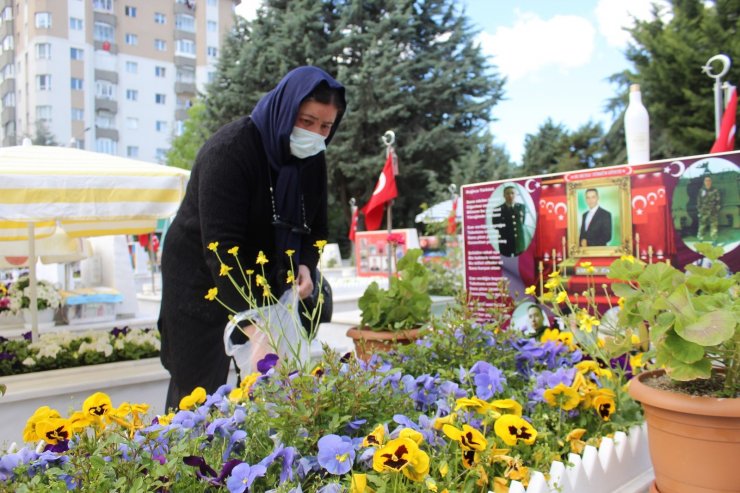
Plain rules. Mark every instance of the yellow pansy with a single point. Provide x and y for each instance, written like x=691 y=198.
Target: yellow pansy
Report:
x=376 y=438
x=509 y=406
x=562 y=396
x=478 y=405
x=53 y=430
x=574 y=439
x=402 y=455
x=605 y=406
x=197 y=396
x=359 y=484
x=411 y=434
x=512 y=429
x=97 y=405
x=42 y=413
x=444 y=420
x=165 y=419
x=469 y=437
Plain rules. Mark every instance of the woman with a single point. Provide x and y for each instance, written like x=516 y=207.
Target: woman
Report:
x=258 y=183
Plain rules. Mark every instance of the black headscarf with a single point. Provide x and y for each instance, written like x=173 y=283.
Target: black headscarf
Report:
x=274 y=116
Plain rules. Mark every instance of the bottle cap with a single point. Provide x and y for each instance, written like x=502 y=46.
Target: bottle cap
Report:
x=635 y=88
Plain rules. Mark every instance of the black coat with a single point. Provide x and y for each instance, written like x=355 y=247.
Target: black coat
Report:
x=227 y=201
x=599 y=231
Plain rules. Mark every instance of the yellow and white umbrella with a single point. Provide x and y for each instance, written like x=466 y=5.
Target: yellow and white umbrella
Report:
x=85 y=193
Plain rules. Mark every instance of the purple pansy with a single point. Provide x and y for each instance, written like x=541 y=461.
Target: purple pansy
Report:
x=336 y=454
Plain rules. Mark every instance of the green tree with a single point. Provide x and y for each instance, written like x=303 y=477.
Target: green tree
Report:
x=487 y=161
x=554 y=149
x=43 y=136
x=185 y=147
x=409 y=66
x=668 y=53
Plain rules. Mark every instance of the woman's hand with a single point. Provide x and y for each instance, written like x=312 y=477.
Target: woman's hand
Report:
x=305 y=284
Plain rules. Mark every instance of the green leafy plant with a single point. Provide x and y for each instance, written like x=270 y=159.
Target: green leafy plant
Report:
x=692 y=317
x=19 y=295
x=406 y=304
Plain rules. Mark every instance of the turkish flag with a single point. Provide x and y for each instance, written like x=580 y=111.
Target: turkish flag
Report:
x=452 y=219
x=353 y=223
x=726 y=138
x=385 y=191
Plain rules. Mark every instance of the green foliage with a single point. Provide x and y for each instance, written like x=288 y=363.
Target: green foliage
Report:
x=693 y=317
x=43 y=136
x=406 y=304
x=554 y=149
x=668 y=53
x=413 y=67
x=185 y=147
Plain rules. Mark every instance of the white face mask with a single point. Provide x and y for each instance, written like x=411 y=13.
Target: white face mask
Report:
x=304 y=143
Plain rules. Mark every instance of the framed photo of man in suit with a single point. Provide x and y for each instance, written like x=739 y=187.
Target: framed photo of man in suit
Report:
x=599 y=217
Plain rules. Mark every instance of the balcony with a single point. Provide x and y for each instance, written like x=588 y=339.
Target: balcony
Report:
x=106 y=105
x=185 y=87
x=106 y=133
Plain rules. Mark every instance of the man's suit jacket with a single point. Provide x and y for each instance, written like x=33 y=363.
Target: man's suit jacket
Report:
x=599 y=231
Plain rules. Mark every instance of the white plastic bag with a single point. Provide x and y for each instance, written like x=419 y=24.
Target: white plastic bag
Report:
x=279 y=330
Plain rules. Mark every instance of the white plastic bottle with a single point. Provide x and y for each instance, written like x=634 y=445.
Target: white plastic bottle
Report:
x=637 y=128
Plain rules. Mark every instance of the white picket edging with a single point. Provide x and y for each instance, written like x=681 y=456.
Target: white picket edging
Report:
x=620 y=465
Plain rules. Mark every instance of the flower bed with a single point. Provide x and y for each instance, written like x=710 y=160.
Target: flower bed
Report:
x=467 y=409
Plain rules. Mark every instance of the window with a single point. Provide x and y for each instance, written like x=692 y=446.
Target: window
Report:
x=78 y=114
x=9 y=129
x=132 y=151
x=160 y=126
x=132 y=67
x=182 y=103
x=105 y=90
x=160 y=45
x=185 y=47
x=7 y=13
x=43 y=20
x=185 y=22
x=132 y=39
x=186 y=75
x=212 y=3
x=76 y=84
x=132 y=94
x=159 y=98
x=132 y=123
x=9 y=99
x=159 y=18
x=179 y=127
x=43 y=82
x=75 y=24
x=159 y=71
x=76 y=53
x=212 y=51
x=43 y=51
x=43 y=113
x=107 y=146
x=103 y=32
x=8 y=71
x=212 y=26
x=211 y=76
x=129 y=11
x=8 y=43
x=105 y=119
x=160 y=155
x=106 y=5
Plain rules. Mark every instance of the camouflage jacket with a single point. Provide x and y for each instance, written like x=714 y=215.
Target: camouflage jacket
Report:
x=708 y=202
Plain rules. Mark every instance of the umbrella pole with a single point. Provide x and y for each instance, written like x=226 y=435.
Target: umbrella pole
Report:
x=33 y=304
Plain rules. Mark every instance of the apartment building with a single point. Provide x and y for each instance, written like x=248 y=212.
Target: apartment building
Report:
x=112 y=76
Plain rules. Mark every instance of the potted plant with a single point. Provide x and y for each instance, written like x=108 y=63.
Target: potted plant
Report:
x=394 y=315
x=48 y=300
x=690 y=400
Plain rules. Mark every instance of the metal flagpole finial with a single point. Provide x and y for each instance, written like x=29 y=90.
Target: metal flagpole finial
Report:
x=352 y=202
x=718 y=103
x=389 y=137
x=724 y=60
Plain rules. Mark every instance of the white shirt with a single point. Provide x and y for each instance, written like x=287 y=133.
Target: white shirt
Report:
x=590 y=215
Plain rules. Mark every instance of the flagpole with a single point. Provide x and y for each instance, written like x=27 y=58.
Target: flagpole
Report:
x=353 y=228
x=389 y=137
x=718 y=89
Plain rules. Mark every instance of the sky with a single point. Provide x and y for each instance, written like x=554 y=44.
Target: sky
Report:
x=556 y=55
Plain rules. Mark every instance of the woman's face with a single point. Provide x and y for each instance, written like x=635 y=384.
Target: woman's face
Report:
x=316 y=117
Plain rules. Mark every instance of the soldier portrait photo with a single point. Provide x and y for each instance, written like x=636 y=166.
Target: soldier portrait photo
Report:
x=512 y=219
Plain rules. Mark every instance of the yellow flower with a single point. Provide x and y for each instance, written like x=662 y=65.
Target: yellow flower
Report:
x=42 y=413
x=561 y=297
x=197 y=396
x=431 y=484
x=213 y=246
x=444 y=469
x=517 y=471
x=234 y=250
x=511 y=429
x=605 y=406
x=562 y=396
x=554 y=275
x=320 y=244
x=552 y=284
x=212 y=293
x=574 y=439
x=588 y=322
x=478 y=405
x=620 y=302
x=224 y=270
x=78 y=421
x=589 y=267
x=636 y=361
x=260 y=280
x=411 y=434
x=402 y=455
x=249 y=272
x=500 y=485
x=444 y=420
x=628 y=258
x=97 y=405
x=531 y=290
x=377 y=437
x=547 y=297
x=165 y=419
x=291 y=278
x=359 y=484
x=54 y=430
x=290 y=252
x=503 y=405
x=261 y=259
x=469 y=437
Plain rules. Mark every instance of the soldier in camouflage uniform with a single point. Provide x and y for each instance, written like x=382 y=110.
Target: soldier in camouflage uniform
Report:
x=708 y=205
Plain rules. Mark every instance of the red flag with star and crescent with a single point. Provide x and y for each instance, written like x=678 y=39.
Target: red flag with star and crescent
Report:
x=726 y=138
x=384 y=192
x=353 y=223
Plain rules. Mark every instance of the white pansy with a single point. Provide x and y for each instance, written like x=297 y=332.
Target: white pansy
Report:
x=29 y=362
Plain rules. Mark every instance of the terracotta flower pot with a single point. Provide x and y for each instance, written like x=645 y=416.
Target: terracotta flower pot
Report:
x=694 y=441
x=367 y=342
